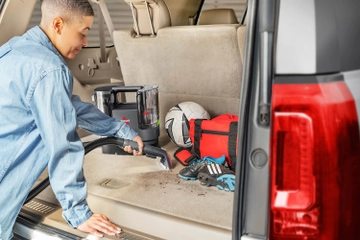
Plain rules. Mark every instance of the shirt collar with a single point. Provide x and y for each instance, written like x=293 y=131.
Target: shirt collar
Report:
x=38 y=35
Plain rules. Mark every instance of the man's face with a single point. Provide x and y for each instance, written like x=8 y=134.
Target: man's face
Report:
x=73 y=37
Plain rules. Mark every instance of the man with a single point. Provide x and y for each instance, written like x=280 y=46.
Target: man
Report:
x=39 y=116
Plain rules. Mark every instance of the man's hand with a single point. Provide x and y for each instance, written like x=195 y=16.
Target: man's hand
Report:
x=98 y=224
x=140 y=144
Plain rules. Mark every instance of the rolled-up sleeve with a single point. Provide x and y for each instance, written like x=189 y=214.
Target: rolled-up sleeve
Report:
x=55 y=116
x=91 y=119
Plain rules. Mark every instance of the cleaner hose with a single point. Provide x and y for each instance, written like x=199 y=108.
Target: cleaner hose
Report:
x=87 y=148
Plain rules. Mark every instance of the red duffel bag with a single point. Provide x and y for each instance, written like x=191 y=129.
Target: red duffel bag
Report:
x=215 y=137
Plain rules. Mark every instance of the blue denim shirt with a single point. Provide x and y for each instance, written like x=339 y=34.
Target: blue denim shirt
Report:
x=38 y=121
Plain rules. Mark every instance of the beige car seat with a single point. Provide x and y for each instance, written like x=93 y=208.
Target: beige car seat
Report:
x=149 y=16
x=189 y=63
x=218 y=16
x=183 y=12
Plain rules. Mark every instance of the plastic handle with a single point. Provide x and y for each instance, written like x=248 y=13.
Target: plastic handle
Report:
x=132 y=144
x=152 y=152
x=126 y=89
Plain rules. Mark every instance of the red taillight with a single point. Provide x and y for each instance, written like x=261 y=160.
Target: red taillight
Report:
x=294 y=200
x=315 y=163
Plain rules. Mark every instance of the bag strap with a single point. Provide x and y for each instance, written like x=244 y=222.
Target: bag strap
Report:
x=184 y=156
x=197 y=136
x=232 y=143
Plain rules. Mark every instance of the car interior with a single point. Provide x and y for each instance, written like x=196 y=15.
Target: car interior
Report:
x=193 y=51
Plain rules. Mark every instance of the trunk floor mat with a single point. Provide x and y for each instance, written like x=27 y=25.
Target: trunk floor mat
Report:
x=142 y=182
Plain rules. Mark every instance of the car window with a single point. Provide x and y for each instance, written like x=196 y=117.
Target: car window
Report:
x=122 y=19
x=119 y=12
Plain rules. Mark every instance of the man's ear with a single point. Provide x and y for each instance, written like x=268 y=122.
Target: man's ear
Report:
x=58 y=24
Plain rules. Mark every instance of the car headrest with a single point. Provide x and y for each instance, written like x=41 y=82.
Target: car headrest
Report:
x=149 y=16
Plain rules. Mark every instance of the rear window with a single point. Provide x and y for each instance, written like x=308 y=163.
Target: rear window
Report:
x=122 y=19
x=119 y=12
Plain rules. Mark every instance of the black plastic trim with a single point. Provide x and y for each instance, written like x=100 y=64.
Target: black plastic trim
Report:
x=197 y=16
x=245 y=99
x=301 y=79
x=18 y=237
x=27 y=222
x=2 y=3
x=243 y=16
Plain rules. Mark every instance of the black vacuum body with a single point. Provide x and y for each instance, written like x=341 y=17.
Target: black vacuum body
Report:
x=141 y=115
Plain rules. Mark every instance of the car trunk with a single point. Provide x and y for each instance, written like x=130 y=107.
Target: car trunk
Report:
x=140 y=183
x=138 y=193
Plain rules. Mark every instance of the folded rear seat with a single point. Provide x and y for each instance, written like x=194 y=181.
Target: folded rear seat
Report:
x=218 y=16
x=189 y=63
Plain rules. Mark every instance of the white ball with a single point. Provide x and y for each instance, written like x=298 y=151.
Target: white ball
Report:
x=177 y=121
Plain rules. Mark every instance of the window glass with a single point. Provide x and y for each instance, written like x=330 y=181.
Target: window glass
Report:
x=122 y=19
x=120 y=14
x=119 y=11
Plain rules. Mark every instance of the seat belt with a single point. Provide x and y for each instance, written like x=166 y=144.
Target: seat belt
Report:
x=106 y=16
x=101 y=36
x=103 y=14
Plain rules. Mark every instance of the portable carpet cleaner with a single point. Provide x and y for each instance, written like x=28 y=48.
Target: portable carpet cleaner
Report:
x=142 y=115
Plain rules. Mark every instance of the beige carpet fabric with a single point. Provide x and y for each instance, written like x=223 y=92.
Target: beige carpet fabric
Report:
x=142 y=182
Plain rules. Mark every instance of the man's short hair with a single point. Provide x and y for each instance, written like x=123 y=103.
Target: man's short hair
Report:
x=69 y=10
